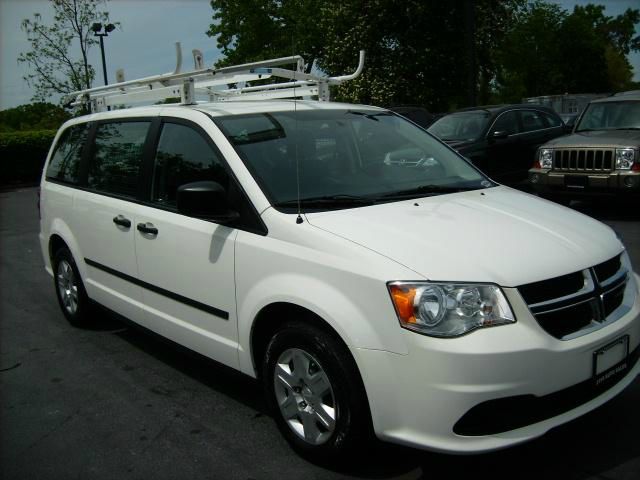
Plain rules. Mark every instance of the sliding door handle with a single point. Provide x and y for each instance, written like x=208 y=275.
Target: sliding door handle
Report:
x=147 y=228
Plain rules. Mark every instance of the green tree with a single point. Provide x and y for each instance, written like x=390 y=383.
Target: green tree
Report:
x=549 y=50
x=34 y=116
x=415 y=50
x=53 y=68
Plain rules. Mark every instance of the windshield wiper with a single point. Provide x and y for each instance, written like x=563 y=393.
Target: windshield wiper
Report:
x=428 y=190
x=371 y=116
x=627 y=128
x=328 y=201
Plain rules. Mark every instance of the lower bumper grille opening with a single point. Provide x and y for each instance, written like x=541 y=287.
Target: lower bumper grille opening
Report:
x=505 y=414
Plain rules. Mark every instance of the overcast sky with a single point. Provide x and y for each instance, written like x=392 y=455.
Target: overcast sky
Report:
x=145 y=43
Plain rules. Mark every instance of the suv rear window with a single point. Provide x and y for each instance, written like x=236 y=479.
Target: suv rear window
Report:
x=65 y=163
x=117 y=157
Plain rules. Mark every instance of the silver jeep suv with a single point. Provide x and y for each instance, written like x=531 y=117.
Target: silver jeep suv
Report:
x=600 y=157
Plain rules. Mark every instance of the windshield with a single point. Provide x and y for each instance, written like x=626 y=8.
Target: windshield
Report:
x=460 y=126
x=345 y=158
x=611 y=116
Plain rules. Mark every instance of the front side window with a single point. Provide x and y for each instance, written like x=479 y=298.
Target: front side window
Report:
x=65 y=162
x=532 y=121
x=553 y=120
x=339 y=159
x=611 y=116
x=117 y=157
x=183 y=156
x=463 y=126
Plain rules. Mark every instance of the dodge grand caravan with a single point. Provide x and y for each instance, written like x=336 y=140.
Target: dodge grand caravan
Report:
x=370 y=277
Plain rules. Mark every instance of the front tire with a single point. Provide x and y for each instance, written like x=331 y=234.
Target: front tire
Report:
x=315 y=392
x=70 y=292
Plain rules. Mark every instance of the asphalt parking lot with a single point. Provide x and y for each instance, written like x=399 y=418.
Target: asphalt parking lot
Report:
x=113 y=402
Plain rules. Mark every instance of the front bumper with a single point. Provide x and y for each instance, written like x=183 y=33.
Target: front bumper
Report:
x=416 y=399
x=579 y=183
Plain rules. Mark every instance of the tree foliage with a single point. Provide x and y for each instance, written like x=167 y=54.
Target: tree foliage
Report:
x=54 y=67
x=549 y=50
x=438 y=54
x=415 y=50
x=34 y=116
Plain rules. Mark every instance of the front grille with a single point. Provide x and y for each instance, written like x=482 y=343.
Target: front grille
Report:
x=581 y=301
x=583 y=160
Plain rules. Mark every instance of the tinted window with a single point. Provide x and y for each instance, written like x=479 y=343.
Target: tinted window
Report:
x=117 y=157
x=460 y=126
x=183 y=156
x=553 y=120
x=65 y=163
x=507 y=122
x=371 y=154
x=532 y=121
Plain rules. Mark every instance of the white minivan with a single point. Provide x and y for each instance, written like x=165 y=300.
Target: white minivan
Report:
x=370 y=277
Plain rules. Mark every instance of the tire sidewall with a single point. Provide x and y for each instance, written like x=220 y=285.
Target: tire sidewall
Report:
x=330 y=354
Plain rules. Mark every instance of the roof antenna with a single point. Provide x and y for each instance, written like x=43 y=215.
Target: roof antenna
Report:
x=295 y=120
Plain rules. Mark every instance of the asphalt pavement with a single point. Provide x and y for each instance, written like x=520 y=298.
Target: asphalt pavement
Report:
x=112 y=402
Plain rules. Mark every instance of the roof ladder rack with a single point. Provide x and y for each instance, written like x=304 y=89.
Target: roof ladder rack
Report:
x=203 y=82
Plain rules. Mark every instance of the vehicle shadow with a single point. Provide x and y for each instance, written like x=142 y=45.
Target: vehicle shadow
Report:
x=601 y=441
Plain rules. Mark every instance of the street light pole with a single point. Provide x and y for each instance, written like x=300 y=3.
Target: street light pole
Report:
x=104 y=62
x=97 y=31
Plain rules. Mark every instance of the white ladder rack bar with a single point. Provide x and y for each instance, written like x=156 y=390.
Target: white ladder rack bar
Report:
x=186 y=84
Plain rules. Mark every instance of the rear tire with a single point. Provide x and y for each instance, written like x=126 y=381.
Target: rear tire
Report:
x=315 y=392
x=70 y=292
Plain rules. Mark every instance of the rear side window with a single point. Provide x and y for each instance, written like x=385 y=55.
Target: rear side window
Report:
x=65 y=163
x=183 y=156
x=117 y=157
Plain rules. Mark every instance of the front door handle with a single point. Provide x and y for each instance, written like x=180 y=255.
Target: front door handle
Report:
x=147 y=228
x=122 y=222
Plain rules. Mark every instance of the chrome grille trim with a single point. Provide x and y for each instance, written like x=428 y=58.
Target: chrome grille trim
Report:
x=596 y=304
x=583 y=159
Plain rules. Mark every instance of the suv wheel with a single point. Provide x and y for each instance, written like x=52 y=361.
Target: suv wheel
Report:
x=315 y=393
x=72 y=297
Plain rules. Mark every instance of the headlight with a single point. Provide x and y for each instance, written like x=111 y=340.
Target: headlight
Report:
x=449 y=309
x=625 y=158
x=546 y=158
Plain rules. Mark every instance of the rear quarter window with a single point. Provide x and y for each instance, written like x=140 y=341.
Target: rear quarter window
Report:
x=65 y=162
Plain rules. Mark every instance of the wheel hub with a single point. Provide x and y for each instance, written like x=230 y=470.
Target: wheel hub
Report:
x=305 y=396
x=67 y=287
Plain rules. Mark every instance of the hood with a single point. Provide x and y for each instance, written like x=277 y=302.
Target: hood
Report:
x=495 y=235
x=598 y=138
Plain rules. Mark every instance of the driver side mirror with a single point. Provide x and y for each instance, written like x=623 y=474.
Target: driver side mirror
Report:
x=499 y=134
x=206 y=200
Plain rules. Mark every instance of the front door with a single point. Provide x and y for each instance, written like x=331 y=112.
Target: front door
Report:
x=186 y=265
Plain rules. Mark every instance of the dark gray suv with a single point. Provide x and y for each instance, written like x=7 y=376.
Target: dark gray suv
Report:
x=600 y=157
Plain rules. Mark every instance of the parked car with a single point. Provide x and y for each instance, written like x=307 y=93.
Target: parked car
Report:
x=419 y=115
x=366 y=274
x=601 y=157
x=501 y=140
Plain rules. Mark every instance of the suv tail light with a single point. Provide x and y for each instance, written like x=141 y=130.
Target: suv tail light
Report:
x=635 y=167
x=536 y=164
